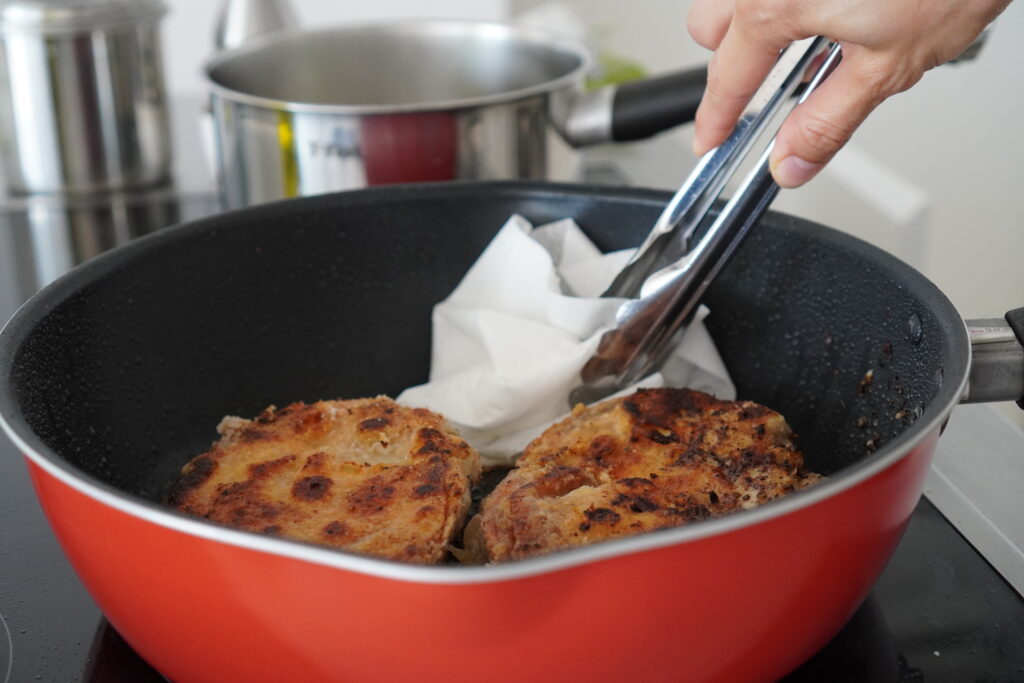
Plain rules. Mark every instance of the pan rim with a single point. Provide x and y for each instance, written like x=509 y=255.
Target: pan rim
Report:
x=17 y=429
x=524 y=34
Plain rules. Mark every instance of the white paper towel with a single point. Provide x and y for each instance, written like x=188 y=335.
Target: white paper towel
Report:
x=509 y=343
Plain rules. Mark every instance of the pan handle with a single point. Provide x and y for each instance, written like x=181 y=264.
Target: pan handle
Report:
x=636 y=110
x=997 y=359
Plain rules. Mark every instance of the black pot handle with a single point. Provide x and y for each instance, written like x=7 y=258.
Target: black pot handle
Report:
x=643 y=108
x=997 y=359
x=635 y=110
x=640 y=109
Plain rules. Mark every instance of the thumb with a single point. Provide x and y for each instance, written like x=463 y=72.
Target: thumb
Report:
x=821 y=125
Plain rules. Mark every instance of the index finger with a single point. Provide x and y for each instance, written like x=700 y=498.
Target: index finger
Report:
x=735 y=72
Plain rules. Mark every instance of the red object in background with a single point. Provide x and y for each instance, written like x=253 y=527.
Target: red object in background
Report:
x=409 y=148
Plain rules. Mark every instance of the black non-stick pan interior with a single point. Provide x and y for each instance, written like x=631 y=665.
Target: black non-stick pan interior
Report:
x=125 y=367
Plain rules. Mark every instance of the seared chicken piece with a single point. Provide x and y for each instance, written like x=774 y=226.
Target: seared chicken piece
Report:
x=655 y=459
x=368 y=476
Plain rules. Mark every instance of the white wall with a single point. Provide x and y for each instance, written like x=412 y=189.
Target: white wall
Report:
x=187 y=31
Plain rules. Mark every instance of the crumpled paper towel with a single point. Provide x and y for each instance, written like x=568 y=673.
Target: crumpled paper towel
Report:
x=510 y=341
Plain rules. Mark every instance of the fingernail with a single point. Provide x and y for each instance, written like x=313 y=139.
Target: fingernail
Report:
x=794 y=171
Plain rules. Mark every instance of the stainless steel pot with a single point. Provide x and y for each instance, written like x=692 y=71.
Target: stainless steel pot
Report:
x=82 y=100
x=309 y=112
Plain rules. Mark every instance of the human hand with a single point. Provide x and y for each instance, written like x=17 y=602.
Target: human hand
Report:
x=886 y=46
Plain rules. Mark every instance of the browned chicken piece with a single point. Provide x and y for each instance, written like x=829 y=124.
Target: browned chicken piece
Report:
x=655 y=459
x=368 y=476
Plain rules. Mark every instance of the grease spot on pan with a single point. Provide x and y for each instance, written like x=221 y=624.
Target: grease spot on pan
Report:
x=915 y=329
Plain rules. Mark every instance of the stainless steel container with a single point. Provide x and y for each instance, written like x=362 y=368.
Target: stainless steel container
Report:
x=309 y=112
x=82 y=100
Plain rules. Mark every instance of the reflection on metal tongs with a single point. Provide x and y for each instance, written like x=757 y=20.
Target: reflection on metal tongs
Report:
x=670 y=286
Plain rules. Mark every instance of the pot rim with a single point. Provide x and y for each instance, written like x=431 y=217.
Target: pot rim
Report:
x=36 y=308
x=508 y=32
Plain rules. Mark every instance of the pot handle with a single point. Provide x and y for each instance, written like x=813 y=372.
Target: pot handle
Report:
x=241 y=21
x=640 y=109
x=997 y=359
x=635 y=110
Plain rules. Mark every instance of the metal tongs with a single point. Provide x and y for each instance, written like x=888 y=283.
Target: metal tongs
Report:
x=670 y=285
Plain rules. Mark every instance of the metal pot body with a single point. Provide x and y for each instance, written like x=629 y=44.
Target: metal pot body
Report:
x=83 y=108
x=310 y=112
x=109 y=395
x=264 y=153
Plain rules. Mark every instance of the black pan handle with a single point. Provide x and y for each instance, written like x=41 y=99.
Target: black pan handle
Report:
x=1016 y=320
x=997 y=359
x=635 y=110
x=644 y=108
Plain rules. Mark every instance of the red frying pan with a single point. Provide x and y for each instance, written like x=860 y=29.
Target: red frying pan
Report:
x=115 y=376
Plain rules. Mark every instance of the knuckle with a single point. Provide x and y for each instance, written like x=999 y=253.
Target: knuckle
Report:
x=878 y=79
x=874 y=81
x=899 y=80
x=761 y=13
x=822 y=137
x=707 y=22
x=769 y=25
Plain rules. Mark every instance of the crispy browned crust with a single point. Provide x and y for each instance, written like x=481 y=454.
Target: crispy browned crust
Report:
x=655 y=459
x=368 y=476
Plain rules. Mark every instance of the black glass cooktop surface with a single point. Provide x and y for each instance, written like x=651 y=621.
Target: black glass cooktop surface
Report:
x=939 y=614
